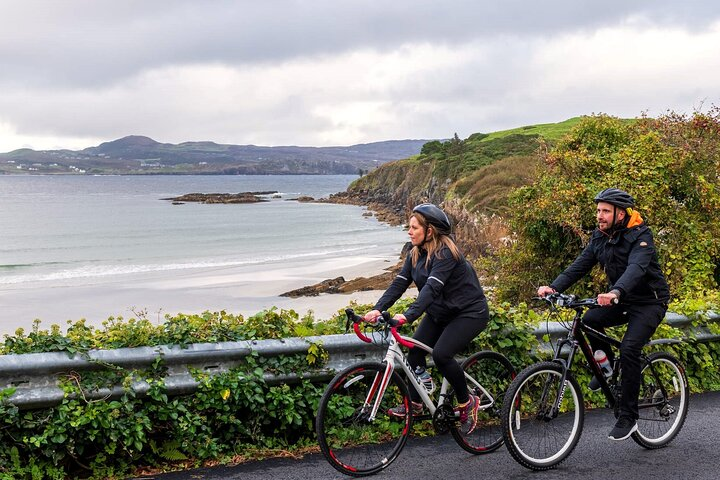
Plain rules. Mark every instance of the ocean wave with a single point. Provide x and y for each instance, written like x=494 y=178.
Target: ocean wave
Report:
x=28 y=265
x=107 y=270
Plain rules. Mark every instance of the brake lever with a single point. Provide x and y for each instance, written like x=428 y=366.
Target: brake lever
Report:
x=349 y=313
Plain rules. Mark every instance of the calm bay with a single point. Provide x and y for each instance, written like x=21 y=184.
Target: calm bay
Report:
x=91 y=247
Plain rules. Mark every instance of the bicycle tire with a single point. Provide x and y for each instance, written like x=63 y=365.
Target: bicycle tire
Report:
x=532 y=438
x=350 y=442
x=495 y=373
x=662 y=408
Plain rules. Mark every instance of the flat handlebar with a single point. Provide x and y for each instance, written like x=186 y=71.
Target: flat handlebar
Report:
x=571 y=301
x=381 y=322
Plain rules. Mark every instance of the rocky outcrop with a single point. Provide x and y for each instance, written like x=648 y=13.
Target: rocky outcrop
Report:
x=340 y=285
x=244 y=197
x=390 y=214
x=360 y=284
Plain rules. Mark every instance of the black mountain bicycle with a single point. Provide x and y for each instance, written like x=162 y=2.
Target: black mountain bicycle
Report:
x=357 y=434
x=543 y=409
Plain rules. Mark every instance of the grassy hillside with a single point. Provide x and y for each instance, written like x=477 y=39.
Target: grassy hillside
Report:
x=548 y=131
x=474 y=174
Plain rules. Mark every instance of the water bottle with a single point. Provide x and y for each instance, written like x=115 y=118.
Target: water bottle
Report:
x=603 y=363
x=425 y=378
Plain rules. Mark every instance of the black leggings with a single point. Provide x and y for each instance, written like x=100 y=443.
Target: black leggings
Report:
x=642 y=321
x=447 y=339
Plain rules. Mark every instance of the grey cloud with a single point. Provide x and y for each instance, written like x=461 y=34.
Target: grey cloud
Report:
x=95 y=43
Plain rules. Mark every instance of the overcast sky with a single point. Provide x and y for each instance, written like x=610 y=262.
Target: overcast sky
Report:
x=75 y=73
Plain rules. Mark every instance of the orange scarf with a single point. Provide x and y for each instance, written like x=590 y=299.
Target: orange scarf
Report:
x=635 y=218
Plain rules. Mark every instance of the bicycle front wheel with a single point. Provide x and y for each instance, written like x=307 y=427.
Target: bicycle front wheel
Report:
x=493 y=372
x=663 y=401
x=538 y=436
x=353 y=440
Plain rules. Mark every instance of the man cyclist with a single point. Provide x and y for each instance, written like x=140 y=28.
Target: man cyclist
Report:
x=638 y=293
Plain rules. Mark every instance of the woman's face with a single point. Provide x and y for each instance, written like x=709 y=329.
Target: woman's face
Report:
x=416 y=232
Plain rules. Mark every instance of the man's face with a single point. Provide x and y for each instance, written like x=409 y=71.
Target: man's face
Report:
x=605 y=215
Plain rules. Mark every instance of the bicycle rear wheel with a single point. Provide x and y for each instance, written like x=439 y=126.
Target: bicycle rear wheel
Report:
x=351 y=441
x=537 y=437
x=663 y=401
x=494 y=372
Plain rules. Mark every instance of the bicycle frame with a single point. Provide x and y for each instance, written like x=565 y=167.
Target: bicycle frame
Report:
x=395 y=356
x=577 y=338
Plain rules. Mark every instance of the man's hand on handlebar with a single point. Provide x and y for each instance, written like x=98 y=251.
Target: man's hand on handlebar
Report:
x=400 y=318
x=545 y=290
x=607 y=299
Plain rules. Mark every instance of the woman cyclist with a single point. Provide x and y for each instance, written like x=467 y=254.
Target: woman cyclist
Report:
x=452 y=299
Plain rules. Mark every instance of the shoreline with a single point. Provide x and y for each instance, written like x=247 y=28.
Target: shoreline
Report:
x=244 y=290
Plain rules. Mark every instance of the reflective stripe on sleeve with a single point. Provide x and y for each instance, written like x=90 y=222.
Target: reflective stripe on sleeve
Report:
x=437 y=279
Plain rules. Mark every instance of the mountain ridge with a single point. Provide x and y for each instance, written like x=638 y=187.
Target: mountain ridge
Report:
x=139 y=154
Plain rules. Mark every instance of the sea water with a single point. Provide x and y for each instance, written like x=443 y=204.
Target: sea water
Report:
x=73 y=231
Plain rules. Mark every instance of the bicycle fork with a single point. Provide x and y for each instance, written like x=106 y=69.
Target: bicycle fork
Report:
x=377 y=390
x=552 y=412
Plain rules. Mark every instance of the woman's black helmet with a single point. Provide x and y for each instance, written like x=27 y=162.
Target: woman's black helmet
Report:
x=617 y=197
x=435 y=217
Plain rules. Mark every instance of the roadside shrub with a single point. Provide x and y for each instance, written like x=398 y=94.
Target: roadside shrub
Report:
x=671 y=165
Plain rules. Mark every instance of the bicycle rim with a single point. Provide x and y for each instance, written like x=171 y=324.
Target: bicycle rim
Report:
x=495 y=373
x=663 y=401
x=353 y=443
x=535 y=437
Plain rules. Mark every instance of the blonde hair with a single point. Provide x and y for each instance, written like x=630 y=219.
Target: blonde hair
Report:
x=433 y=244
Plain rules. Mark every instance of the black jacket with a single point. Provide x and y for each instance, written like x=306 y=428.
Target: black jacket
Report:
x=446 y=287
x=630 y=262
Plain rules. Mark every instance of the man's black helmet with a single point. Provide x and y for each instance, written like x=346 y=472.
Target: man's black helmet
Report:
x=435 y=217
x=617 y=197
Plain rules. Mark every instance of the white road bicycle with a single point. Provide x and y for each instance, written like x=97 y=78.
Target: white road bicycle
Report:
x=359 y=437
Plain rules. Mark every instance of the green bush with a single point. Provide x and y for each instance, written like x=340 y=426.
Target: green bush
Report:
x=233 y=414
x=670 y=165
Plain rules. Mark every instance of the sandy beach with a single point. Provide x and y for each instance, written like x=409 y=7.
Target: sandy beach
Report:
x=242 y=290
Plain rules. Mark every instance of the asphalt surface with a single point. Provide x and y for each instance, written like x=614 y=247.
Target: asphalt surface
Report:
x=694 y=454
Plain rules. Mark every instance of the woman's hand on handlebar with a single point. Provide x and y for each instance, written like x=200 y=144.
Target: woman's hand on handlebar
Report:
x=400 y=318
x=372 y=316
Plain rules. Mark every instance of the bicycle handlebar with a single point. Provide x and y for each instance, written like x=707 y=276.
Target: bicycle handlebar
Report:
x=571 y=301
x=384 y=320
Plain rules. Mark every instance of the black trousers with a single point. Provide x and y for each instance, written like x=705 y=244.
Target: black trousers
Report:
x=447 y=337
x=642 y=321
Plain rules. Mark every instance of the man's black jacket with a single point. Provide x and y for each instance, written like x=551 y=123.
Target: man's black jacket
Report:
x=630 y=262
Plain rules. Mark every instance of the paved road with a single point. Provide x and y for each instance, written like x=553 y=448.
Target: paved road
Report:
x=694 y=454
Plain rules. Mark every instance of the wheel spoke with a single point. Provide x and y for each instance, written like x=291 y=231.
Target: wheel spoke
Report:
x=537 y=436
x=352 y=442
x=494 y=373
x=662 y=401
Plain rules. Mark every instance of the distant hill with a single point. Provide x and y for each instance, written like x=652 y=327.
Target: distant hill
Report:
x=142 y=155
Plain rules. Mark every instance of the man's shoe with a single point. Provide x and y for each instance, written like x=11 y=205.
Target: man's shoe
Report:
x=594 y=384
x=624 y=427
x=399 y=411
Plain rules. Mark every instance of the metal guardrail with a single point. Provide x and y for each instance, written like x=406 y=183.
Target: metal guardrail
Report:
x=36 y=376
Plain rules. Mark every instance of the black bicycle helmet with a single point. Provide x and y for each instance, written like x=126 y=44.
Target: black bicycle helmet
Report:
x=617 y=197
x=435 y=217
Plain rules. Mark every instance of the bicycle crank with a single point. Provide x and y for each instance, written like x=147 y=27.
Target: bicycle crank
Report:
x=444 y=417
